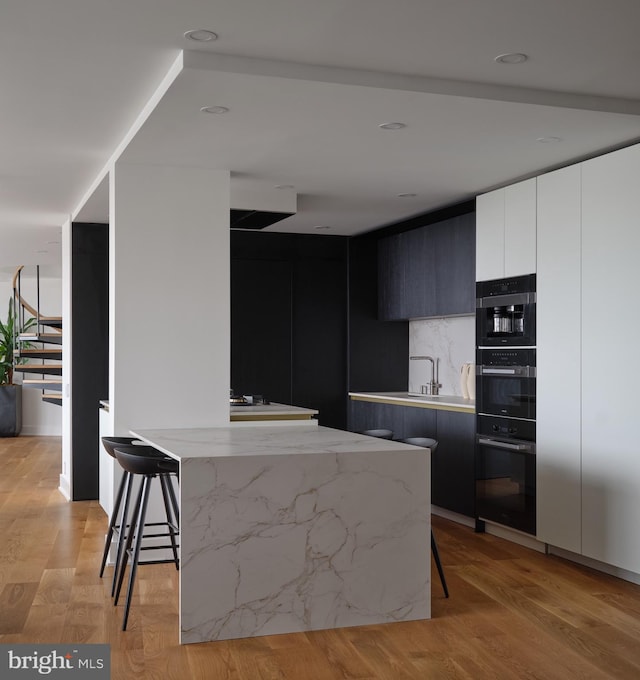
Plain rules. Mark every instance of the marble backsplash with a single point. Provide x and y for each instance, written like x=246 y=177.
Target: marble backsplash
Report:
x=452 y=340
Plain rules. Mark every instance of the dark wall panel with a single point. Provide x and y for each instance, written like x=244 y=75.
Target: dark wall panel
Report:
x=320 y=339
x=90 y=355
x=261 y=328
x=289 y=320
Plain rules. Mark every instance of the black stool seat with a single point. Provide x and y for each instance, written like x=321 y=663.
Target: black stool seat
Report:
x=380 y=434
x=147 y=463
x=424 y=442
x=145 y=460
x=110 y=443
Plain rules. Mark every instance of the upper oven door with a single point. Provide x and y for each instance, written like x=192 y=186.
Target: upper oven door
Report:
x=503 y=388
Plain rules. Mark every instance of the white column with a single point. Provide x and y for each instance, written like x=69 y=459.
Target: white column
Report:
x=66 y=480
x=169 y=294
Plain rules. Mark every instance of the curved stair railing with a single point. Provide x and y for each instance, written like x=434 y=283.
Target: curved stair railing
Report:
x=38 y=345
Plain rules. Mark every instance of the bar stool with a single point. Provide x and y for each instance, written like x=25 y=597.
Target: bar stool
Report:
x=148 y=463
x=380 y=434
x=124 y=489
x=429 y=443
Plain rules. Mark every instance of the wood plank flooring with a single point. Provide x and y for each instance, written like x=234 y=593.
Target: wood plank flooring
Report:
x=513 y=613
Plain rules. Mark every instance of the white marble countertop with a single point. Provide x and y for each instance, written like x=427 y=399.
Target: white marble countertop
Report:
x=443 y=401
x=231 y=442
x=269 y=410
x=272 y=409
x=287 y=529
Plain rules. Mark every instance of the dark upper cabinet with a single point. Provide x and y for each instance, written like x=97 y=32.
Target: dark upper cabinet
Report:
x=428 y=271
x=392 y=265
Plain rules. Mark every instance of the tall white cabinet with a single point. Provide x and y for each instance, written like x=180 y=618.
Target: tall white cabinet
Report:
x=506 y=231
x=588 y=455
x=559 y=360
x=610 y=335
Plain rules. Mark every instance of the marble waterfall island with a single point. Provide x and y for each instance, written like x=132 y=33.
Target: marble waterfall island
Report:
x=292 y=529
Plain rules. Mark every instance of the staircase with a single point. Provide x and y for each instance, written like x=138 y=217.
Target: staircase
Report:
x=38 y=348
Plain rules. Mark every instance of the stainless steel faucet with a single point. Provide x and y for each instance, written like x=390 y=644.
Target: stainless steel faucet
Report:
x=434 y=385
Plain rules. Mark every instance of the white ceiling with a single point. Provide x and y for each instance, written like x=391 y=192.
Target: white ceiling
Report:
x=307 y=84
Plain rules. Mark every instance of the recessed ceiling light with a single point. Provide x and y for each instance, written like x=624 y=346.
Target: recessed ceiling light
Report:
x=511 y=58
x=392 y=126
x=42 y=251
x=284 y=186
x=201 y=35
x=322 y=226
x=407 y=195
x=214 y=109
x=548 y=140
x=53 y=243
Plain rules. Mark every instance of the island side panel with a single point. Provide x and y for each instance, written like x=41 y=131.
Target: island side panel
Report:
x=279 y=544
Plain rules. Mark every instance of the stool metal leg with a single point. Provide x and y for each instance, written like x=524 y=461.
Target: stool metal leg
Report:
x=436 y=556
x=122 y=531
x=165 y=482
x=126 y=547
x=174 y=500
x=139 y=531
x=113 y=521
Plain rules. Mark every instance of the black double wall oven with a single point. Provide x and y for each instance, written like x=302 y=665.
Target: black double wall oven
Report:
x=506 y=403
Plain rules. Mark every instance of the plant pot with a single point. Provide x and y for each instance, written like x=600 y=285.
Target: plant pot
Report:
x=10 y=410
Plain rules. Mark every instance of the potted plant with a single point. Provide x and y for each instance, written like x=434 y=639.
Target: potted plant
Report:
x=10 y=394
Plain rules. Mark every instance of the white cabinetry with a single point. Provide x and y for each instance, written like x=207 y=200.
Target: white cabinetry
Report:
x=588 y=457
x=506 y=231
x=490 y=236
x=610 y=331
x=559 y=491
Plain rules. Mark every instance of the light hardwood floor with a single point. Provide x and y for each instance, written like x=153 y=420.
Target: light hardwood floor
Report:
x=513 y=613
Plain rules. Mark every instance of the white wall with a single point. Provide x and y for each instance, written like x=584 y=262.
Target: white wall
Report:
x=38 y=417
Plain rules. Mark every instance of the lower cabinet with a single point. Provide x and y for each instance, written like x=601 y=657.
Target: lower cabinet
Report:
x=452 y=464
x=453 y=484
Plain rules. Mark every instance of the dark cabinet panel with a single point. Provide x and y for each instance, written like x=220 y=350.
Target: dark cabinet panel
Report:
x=261 y=328
x=402 y=420
x=455 y=265
x=364 y=415
x=377 y=349
x=418 y=422
x=392 y=276
x=319 y=357
x=429 y=271
x=289 y=320
x=452 y=464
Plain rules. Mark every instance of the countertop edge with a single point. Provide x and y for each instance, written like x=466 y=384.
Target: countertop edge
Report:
x=416 y=402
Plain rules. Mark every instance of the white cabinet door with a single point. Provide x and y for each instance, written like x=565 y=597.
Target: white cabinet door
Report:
x=558 y=359
x=506 y=231
x=490 y=236
x=520 y=228
x=611 y=328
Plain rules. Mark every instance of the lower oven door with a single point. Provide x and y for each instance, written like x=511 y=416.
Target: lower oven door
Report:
x=506 y=482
